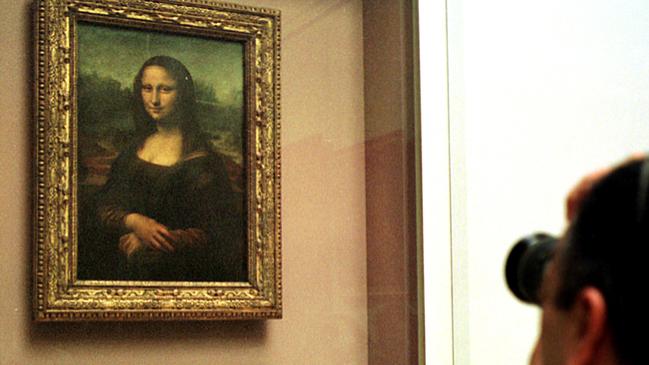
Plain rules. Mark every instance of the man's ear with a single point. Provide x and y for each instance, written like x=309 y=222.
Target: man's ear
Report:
x=590 y=338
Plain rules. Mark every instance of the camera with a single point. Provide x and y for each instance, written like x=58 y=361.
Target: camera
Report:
x=526 y=263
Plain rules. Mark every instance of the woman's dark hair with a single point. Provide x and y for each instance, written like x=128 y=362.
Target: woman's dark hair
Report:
x=607 y=247
x=185 y=107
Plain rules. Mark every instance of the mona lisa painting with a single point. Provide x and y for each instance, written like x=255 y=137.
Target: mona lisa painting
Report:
x=158 y=163
x=161 y=189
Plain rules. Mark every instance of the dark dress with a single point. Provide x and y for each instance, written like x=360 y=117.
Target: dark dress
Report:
x=194 y=200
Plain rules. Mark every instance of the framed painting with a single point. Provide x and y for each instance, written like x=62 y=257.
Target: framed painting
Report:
x=157 y=161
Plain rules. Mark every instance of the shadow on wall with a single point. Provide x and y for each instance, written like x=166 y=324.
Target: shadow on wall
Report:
x=80 y=333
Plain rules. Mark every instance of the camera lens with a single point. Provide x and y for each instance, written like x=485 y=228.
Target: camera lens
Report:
x=526 y=263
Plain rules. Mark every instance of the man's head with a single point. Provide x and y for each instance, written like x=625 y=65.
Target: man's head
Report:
x=592 y=295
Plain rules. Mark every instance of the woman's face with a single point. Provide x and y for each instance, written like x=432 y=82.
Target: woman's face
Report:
x=159 y=92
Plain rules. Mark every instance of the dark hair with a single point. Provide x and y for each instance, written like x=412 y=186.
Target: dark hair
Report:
x=185 y=104
x=608 y=247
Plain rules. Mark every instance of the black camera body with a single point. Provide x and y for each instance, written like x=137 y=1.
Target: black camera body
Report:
x=526 y=265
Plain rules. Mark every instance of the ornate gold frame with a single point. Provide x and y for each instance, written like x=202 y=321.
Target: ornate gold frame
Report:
x=57 y=294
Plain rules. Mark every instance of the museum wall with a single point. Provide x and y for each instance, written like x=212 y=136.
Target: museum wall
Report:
x=323 y=215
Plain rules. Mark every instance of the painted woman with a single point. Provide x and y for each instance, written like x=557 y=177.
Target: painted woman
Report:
x=168 y=207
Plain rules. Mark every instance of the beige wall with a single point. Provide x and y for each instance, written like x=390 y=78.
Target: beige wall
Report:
x=390 y=168
x=325 y=316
